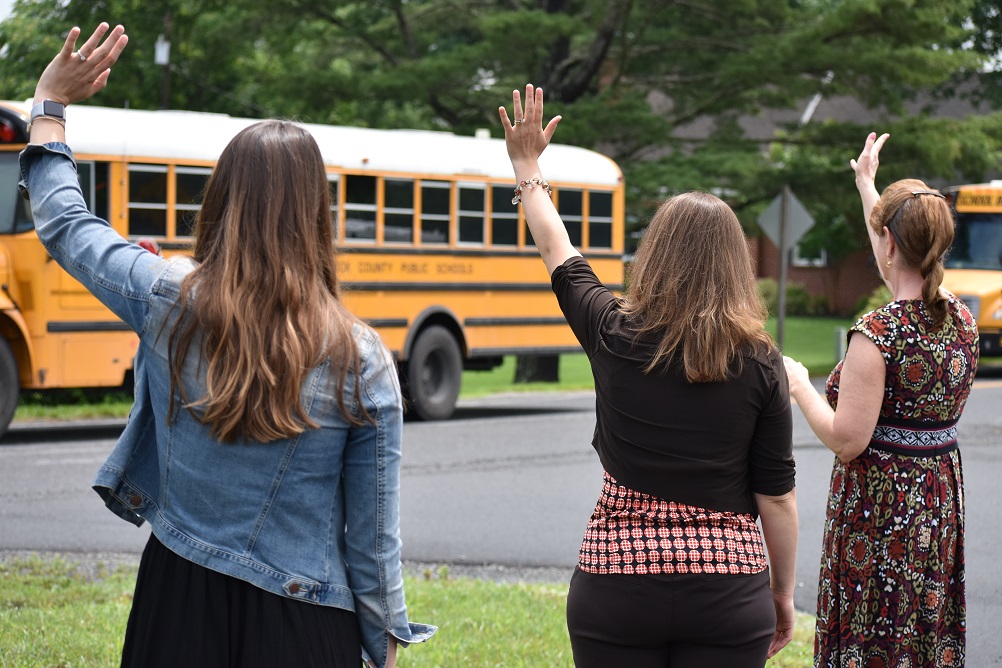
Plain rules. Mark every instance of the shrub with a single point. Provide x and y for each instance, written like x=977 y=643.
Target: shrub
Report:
x=876 y=299
x=769 y=289
x=798 y=300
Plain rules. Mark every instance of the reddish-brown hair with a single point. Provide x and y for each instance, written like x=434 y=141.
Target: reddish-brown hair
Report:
x=922 y=226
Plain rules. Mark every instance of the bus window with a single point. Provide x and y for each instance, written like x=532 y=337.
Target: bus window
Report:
x=360 y=207
x=599 y=219
x=398 y=211
x=434 y=212
x=93 y=178
x=471 y=214
x=333 y=183
x=569 y=206
x=15 y=211
x=504 y=218
x=189 y=185
x=147 y=200
x=977 y=242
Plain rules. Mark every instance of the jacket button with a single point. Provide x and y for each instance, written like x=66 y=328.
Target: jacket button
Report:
x=135 y=500
x=294 y=588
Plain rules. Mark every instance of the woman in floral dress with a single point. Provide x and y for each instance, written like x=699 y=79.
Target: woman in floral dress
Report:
x=892 y=572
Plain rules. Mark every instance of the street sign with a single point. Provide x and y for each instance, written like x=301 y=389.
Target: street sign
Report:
x=797 y=223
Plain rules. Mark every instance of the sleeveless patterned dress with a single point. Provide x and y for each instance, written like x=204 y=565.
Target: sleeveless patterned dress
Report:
x=892 y=572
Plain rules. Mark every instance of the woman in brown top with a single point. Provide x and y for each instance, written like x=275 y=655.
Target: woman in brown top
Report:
x=693 y=428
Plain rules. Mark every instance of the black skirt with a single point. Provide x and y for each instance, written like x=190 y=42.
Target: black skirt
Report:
x=184 y=614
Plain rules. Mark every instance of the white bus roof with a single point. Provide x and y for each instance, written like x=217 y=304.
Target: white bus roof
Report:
x=191 y=136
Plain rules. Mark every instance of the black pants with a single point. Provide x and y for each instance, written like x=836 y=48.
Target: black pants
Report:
x=186 y=615
x=670 y=621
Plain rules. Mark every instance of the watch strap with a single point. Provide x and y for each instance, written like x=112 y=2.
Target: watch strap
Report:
x=50 y=109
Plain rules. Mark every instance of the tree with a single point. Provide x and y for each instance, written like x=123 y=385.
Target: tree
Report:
x=661 y=86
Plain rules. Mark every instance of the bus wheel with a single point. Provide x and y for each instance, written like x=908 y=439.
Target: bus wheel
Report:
x=434 y=373
x=9 y=385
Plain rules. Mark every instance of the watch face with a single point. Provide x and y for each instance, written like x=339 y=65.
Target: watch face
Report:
x=55 y=109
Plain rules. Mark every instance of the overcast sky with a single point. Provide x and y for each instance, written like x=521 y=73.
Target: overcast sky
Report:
x=5 y=6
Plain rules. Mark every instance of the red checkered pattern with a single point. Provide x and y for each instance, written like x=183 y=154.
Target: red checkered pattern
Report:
x=635 y=533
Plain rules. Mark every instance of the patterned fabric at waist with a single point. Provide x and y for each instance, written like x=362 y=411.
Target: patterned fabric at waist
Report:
x=914 y=438
x=635 y=533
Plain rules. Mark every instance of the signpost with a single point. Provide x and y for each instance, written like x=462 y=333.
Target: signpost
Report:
x=784 y=221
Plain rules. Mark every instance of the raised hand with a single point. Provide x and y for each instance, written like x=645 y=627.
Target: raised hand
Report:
x=526 y=137
x=77 y=74
x=866 y=164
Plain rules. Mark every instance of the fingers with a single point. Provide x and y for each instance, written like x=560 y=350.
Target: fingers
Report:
x=517 y=102
x=505 y=123
x=780 y=640
x=102 y=80
x=551 y=127
x=70 y=44
x=88 y=48
x=530 y=105
x=879 y=143
x=107 y=53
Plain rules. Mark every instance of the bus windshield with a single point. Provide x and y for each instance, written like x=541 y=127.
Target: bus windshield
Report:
x=977 y=242
x=15 y=212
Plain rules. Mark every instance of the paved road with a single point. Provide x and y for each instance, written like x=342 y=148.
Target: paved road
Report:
x=511 y=480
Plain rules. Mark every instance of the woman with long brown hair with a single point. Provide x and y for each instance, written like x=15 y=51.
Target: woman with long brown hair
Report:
x=264 y=444
x=693 y=429
x=891 y=591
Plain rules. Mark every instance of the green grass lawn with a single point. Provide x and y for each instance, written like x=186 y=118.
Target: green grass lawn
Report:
x=52 y=616
x=810 y=341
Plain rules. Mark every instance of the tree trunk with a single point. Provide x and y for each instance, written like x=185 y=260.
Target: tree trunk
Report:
x=537 y=368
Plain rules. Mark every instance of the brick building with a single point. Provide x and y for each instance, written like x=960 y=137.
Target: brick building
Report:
x=843 y=287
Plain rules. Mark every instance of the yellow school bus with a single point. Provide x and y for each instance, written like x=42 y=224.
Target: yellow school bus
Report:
x=435 y=255
x=974 y=263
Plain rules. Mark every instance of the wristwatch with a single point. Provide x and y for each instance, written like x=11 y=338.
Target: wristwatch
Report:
x=48 y=109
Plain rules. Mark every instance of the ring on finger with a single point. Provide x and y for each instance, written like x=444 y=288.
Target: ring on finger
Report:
x=81 y=55
x=519 y=121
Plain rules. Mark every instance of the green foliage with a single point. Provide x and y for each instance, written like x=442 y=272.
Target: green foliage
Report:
x=666 y=89
x=798 y=301
x=880 y=296
x=768 y=288
x=72 y=404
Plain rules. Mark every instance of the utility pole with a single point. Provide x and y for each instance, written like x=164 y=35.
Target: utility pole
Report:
x=162 y=58
x=784 y=264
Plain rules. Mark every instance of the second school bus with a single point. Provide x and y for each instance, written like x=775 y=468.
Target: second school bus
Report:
x=434 y=254
x=974 y=264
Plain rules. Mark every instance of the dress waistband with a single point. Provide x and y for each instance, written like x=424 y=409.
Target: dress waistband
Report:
x=916 y=439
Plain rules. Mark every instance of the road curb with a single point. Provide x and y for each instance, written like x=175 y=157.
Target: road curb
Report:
x=34 y=426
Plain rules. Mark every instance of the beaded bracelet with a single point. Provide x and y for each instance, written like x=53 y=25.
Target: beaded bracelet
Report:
x=529 y=185
x=45 y=118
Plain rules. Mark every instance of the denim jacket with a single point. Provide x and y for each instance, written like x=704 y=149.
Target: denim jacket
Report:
x=315 y=517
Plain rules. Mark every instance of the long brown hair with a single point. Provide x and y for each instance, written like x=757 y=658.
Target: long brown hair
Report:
x=263 y=302
x=692 y=288
x=922 y=226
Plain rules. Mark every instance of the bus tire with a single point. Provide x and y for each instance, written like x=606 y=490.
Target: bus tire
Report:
x=434 y=374
x=10 y=385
